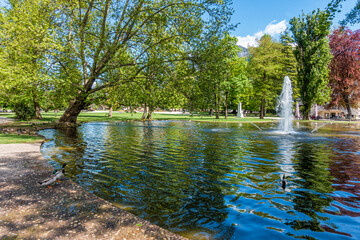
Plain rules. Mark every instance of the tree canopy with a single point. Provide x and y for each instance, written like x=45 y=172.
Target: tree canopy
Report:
x=353 y=16
x=312 y=52
x=345 y=68
x=80 y=43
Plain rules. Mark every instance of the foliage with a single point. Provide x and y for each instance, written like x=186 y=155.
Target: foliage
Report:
x=239 y=85
x=23 y=111
x=26 y=38
x=105 y=35
x=220 y=74
x=313 y=55
x=267 y=71
x=289 y=62
x=345 y=68
x=353 y=16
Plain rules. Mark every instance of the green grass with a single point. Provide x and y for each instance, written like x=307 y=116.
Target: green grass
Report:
x=121 y=116
x=7 y=139
x=102 y=116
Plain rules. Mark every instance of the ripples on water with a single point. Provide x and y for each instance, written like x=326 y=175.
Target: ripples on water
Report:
x=212 y=181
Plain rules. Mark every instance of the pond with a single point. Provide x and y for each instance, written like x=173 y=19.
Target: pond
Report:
x=218 y=180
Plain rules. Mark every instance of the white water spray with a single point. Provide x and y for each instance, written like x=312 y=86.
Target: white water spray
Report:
x=284 y=107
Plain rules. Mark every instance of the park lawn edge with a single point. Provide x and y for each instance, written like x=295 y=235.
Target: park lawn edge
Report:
x=17 y=139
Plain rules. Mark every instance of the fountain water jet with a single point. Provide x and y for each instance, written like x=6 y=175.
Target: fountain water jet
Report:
x=284 y=107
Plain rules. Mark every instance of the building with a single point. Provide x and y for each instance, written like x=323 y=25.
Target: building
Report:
x=333 y=112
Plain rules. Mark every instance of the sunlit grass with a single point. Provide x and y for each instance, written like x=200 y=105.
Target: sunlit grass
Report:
x=97 y=116
x=10 y=138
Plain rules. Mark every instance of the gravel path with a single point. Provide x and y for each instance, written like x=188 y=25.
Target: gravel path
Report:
x=65 y=211
x=5 y=120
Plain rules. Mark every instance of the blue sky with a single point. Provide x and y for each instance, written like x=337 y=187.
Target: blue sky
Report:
x=257 y=17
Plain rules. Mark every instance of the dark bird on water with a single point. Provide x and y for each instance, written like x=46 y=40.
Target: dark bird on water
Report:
x=283 y=181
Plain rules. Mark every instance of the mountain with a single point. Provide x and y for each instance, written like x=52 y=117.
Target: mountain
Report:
x=243 y=51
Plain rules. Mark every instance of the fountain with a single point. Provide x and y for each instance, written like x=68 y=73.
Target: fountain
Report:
x=284 y=107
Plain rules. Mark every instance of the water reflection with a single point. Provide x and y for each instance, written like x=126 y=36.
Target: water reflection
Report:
x=207 y=181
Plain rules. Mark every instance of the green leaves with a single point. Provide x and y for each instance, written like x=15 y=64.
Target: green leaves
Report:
x=353 y=16
x=267 y=69
x=86 y=50
x=313 y=55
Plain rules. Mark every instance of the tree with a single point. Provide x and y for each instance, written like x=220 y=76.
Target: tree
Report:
x=353 y=16
x=26 y=39
x=313 y=56
x=238 y=87
x=345 y=68
x=266 y=70
x=99 y=33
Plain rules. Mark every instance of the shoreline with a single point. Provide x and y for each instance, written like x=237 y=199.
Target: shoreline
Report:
x=28 y=210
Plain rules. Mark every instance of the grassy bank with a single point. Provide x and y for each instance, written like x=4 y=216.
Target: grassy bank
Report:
x=10 y=138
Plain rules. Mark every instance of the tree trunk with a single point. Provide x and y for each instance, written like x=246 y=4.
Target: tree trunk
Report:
x=306 y=111
x=211 y=112
x=348 y=106
x=226 y=105
x=110 y=111
x=72 y=112
x=37 y=109
x=262 y=105
x=218 y=107
x=145 y=112
x=149 y=113
x=262 y=108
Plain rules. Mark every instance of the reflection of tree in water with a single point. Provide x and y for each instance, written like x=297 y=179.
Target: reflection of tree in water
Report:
x=181 y=189
x=205 y=205
x=315 y=182
x=71 y=148
x=182 y=177
x=345 y=168
x=166 y=175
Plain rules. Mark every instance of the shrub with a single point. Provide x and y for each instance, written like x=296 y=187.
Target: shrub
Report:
x=24 y=111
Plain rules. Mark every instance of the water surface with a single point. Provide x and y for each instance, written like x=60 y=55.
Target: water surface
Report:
x=220 y=181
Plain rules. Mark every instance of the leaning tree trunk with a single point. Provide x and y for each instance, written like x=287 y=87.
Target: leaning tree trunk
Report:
x=72 y=112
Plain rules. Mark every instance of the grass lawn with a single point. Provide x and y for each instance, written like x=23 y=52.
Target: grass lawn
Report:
x=9 y=138
x=121 y=116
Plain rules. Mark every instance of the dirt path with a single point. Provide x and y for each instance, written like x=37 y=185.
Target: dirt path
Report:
x=4 y=120
x=65 y=211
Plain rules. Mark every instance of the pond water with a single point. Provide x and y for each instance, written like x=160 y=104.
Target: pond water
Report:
x=220 y=181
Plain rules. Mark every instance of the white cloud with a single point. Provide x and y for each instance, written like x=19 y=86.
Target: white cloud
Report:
x=273 y=29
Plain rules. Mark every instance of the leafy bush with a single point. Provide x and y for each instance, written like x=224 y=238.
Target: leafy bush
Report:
x=24 y=111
